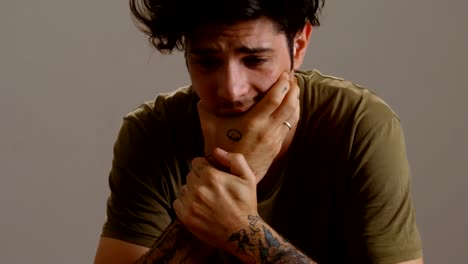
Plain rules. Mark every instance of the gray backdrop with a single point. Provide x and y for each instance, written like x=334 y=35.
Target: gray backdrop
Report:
x=69 y=71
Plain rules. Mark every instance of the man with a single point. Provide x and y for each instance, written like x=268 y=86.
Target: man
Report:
x=256 y=161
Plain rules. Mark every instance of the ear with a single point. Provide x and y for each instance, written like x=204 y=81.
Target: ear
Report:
x=301 y=41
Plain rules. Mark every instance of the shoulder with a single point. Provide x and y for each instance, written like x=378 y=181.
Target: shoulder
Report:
x=169 y=123
x=342 y=101
x=180 y=101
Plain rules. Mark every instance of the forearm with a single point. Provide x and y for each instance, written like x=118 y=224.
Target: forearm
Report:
x=259 y=243
x=176 y=245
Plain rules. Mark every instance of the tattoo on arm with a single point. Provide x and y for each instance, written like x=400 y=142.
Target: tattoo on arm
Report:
x=263 y=245
x=175 y=245
x=252 y=225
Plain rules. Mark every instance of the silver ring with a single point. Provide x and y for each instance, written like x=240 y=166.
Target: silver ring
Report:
x=286 y=123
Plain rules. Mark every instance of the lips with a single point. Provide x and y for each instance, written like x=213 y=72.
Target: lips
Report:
x=234 y=111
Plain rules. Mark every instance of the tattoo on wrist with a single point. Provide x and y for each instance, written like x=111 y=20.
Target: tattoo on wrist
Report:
x=258 y=242
x=252 y=224
x=234 y=135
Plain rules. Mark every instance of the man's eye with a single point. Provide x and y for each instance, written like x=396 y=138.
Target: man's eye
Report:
x=255 y=61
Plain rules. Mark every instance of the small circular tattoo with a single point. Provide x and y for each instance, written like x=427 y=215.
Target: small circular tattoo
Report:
x=234 y=135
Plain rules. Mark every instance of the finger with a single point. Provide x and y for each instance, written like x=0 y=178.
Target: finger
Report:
x=198 y=166
x=273 y=98
x=236 y=163
x=206 y=172
x=288 y=109
x=192 y=180
x=179 y=204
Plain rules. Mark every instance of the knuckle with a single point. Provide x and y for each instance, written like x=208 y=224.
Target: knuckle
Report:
x=196 y=162
x=238 y=156
x=177 y=206
x=192 y=210
x=180 y=210
x=211 y=178
x=199 y=166
x=290 y=107
x=198 y=194
x=274 y=100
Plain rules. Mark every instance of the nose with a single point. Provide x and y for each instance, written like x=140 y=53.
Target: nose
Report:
x=232 y=83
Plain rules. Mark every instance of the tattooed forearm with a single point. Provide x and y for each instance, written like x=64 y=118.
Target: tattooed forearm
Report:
x=176 y=245
x=261 y=244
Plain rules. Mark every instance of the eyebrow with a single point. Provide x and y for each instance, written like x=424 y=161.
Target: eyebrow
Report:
x=242 y=49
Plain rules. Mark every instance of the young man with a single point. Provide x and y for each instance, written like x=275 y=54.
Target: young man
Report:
x=256 y=161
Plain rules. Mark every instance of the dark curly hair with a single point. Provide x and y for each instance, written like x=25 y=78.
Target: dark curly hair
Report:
x=168 y=22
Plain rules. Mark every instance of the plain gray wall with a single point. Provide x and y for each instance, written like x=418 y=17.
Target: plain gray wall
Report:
x=69 y=71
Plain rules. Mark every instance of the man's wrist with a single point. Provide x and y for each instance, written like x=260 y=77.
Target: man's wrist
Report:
x=257 y=242
x=242 y=241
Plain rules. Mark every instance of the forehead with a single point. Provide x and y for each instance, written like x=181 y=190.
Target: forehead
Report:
x=261 y=32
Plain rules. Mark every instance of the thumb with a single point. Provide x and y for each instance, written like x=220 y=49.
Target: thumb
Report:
x=236 y=164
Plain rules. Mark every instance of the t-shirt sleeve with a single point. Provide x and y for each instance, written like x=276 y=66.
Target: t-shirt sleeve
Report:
x=383 y=216
x=139 y=205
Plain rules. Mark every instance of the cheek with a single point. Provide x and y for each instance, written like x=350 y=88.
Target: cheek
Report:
x=265 y=80
x=204 y=90
x=199 y=84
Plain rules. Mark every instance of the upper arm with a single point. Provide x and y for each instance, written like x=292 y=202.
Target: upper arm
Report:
x=383 y=214
x=140 y=200
x=111 y=250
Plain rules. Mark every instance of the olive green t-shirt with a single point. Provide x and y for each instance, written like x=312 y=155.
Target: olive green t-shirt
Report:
x=344 y=196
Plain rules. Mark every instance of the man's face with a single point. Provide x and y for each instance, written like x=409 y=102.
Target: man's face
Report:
x=232 y=67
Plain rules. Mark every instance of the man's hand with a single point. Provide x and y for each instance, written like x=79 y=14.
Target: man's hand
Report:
x=214 y=204
x=259 y=133
x=220 y=209
x=220 y=193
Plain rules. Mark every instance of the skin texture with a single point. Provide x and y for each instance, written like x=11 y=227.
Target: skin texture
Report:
x=242 y=74
x=259 y=133
x=232 y=68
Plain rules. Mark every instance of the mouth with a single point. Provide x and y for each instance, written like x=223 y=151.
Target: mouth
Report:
x=232 y=112
x=237 y=108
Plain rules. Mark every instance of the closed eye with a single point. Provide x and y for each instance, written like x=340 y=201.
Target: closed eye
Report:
x=253 y=61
